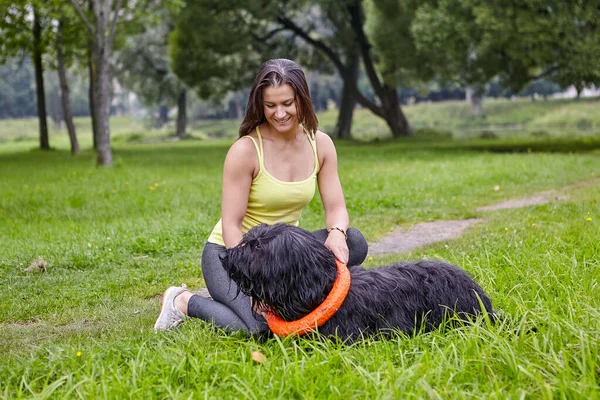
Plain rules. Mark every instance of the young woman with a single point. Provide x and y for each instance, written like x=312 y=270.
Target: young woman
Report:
x=269 y=176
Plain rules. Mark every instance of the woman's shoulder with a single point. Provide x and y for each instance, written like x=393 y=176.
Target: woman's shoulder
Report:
x=324 y=141
x=243 y=145
x=242 y=153
x=325 y=147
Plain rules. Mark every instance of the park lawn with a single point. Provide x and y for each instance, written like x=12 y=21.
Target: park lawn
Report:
x=114 y=239
x=501 y=119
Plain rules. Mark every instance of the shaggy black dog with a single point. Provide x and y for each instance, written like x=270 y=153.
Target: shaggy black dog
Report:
x=286 y=270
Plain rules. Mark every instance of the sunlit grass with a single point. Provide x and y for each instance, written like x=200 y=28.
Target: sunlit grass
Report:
x=115 y=238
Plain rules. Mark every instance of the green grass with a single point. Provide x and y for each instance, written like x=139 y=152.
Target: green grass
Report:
x=114 y=239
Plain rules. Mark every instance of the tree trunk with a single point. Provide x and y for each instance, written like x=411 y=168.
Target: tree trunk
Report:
x=55 y=109
x=92 y=79
x=392 y=113
x=181 y=113
x=234 y=111
x=64 y=88
x=102 y=99
x=474 y=97
x=163 y=115
x=39 y=80
x=343 y=127
x=389 y=109
x=579 y=89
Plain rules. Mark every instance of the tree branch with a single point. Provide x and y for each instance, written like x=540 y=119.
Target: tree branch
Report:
x=335 y=59
x=82 y=16
x=150 y=63
x=363 y=101
x=547 y=72
x=113 y=26
x=356 y=19
x=290 y=25
x=269 y=35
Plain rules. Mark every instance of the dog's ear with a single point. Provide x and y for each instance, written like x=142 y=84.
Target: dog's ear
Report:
x=254 y=243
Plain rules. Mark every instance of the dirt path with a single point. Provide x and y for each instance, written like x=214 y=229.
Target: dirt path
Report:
x=401 y=241
x=422 y=234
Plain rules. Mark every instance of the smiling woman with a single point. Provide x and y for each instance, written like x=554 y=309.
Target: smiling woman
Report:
x=269 y=176
x=280 y=108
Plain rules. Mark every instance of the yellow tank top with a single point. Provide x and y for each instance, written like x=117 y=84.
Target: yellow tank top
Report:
x=272 y=200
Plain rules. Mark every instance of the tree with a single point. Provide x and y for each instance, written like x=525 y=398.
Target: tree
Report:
x=348 y=18
x=212 y=47
x=219 y=46
x=143 y=68
x=540 y=87
x=64 y=86
x=38 y=50
x=66 y=47
x=472 y=41
x=101 y=27
x=48 y=43
x=21 y=26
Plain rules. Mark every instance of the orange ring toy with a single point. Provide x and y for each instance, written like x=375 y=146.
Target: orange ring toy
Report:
x=319 y=315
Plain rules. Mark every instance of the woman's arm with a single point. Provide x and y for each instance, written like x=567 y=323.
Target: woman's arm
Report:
x=336 y=215
x=241 y=165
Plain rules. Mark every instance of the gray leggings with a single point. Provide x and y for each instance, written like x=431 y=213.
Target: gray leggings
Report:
x=230 y=310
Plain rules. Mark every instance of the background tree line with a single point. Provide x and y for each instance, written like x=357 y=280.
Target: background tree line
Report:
x=379 y=54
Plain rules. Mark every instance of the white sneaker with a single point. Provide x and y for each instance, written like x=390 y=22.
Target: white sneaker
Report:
x=170 y=316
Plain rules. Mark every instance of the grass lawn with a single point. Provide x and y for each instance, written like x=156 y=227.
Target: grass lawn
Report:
x=114 y=239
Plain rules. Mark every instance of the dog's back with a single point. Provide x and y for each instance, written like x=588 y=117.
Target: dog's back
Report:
x=408 y=297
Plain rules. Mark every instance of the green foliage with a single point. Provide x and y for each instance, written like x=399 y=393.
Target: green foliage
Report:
x=472 y=41
x=389 y=27
x=15 y=30
x=143 y=66
x=212 y=47
x=17 y=36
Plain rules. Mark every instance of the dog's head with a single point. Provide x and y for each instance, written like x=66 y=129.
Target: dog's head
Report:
x=283 y=268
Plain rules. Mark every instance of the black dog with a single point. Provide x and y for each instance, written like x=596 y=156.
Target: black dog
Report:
x=286 y=270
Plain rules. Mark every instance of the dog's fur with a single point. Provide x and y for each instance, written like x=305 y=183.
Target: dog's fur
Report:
x=285 y=269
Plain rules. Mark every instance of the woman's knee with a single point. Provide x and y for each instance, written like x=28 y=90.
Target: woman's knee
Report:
x=357 y=246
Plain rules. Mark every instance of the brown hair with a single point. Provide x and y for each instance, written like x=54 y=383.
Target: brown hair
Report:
x=274 y=73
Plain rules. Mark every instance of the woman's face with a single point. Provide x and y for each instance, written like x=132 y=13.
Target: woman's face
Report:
x=280 y=108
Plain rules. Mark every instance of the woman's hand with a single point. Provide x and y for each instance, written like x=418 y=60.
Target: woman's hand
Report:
x=336 y=242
